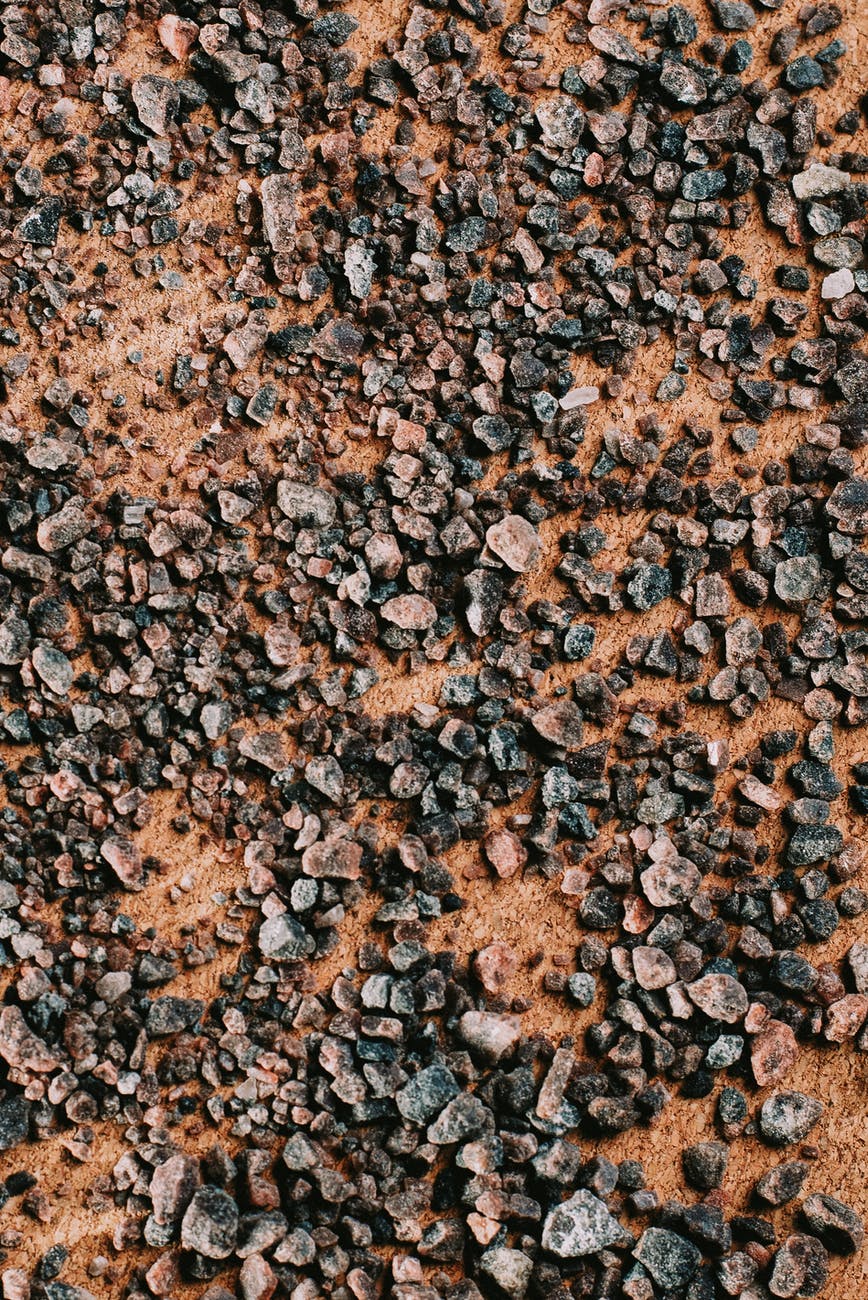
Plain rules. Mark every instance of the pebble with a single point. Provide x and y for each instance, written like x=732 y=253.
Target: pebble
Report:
x=210 y=1223
x=787 y=1117
x=671 y=1259
x=580 y=1225
x=838 y=1226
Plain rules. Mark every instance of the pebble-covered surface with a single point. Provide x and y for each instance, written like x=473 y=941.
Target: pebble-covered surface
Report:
x=433 y=650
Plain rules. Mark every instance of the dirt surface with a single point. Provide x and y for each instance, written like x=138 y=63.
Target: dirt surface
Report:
x=154 y=450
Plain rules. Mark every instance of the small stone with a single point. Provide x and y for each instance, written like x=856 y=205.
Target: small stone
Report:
x=705 y=1164
x=125 y=860
x=671 y=1260
x=720 y=997
x=427 y=1093
x=172 y=1186
x=561 y=121
x=157 y=101
x=845 y=1017
x=782 y=1183
x=265 y=748
x=820 y=182
x=170 y=1015
x=712 y=597
x=649 y=586
x=837 y=1225
x=848 y=506
x=14 y=640
x=283 y=939
x=53 y=667
x=810 y=844
x=210 y=1223
x=308 y=506
x=359 y=266
x=177 y=35
x=580 y=1226
x=774 y=1052
x=412 y=612
x=505 y=852
x=495 y=965
x=515 y=541
x=257 y=1279
x=653 y=968
x=491 y=1035
x=279 y=212
x=838 y=284
x=743 y=641
x=59 y=531
x=582 y=988
x=796 y=580
x=804 y=73
x=14 y=1122
x=800 y=1268
x=788 y=1117
x=508 y=1269
x=666 y=884
x=484 y=593
x=20 y=1047
x=560 y=723
x=464 y=1118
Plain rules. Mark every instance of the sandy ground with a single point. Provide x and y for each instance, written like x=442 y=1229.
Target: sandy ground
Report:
x=530 y=914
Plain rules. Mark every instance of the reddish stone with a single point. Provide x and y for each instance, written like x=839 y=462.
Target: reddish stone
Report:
x=257 y=1279
x=773 y=1053
x=505 y=852
x=495 y=966
x=844 y=1018
x=177 y=35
